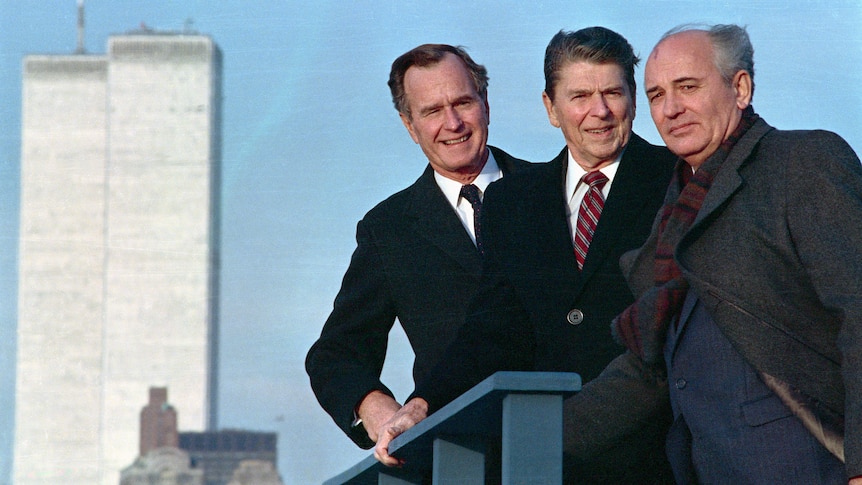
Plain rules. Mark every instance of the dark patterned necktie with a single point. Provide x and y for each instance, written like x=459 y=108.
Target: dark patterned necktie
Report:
x=471 y=193
x=588 y=214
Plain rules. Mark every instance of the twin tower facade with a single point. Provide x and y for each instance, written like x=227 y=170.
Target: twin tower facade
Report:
x=118 y=254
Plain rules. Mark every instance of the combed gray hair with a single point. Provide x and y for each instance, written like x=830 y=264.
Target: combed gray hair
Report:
x=732 y=48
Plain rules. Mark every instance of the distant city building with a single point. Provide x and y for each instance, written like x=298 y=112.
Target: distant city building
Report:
x=255 y=472
x=230 y=457
x=158 y=422
x=162 y=466
x=118 y=250
x=222 y=453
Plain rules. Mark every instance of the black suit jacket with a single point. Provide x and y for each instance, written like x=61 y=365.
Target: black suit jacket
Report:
x=414 y=261
x=518 y=319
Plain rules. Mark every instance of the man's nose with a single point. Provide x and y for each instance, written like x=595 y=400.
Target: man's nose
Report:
x=453 y=119
x=672 y=105
x=600 y=106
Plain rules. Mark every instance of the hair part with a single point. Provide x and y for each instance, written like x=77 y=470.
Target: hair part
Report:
x=731 y=45
x=428 y=55
x=596 y=45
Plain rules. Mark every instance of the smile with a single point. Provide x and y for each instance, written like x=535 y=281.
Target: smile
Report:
x=599 y=131
x=456 y=141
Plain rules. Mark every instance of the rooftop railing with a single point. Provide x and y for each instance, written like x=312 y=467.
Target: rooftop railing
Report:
x=508 y=426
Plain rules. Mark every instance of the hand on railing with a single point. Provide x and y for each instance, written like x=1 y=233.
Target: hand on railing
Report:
x=412 y=412
x=376 y=409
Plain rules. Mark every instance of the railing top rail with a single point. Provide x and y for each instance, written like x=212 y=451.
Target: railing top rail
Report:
x=477 y=412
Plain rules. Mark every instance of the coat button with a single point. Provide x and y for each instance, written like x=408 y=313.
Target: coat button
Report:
x=575 y=317
x=681 y=383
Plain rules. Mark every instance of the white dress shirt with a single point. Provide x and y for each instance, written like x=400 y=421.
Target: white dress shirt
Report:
x=452 y=190
x=576 y=189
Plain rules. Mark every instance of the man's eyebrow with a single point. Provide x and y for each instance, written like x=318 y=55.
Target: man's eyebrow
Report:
x=429 y=108
x=679 y=80
x=684 y=79
x=466 y=97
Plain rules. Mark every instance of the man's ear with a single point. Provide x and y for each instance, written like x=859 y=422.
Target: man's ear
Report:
x=744 y=87
x=549 y=107
x=409 y=125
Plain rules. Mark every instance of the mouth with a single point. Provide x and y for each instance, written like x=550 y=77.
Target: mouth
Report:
x=457 y=140
x=678 y=129
x=600 y=131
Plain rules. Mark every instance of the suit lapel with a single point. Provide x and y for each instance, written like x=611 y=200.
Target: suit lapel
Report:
x=627 y=196
x=547 y=205
x=727 y=181
x=433 y=219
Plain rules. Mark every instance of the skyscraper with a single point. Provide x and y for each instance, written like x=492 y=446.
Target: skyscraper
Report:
x=118 y=251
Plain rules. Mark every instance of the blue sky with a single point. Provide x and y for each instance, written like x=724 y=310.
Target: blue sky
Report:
x=311 y=142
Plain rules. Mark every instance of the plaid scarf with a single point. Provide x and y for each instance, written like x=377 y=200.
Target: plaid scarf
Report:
x=642 y=327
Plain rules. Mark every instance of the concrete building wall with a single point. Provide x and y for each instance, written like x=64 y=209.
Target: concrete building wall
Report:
x=157 y=301
x=61 y=270
x=118 y=251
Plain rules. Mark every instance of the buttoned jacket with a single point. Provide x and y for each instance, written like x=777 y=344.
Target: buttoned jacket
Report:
x=534 y=310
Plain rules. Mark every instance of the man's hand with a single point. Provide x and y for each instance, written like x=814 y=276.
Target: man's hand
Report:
x=376 y=409
x=411 y=413
x=856 y=481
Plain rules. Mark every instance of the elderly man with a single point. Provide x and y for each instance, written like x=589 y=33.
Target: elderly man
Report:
x=751 y=282
x=552 y=281
x=416 y=258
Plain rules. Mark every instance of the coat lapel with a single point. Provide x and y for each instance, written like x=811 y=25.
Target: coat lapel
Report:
x=545 y=202
x=433 y=219
x=727 y=180
x=628 y=195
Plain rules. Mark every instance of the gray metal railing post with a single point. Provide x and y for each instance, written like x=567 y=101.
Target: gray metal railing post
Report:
x=532 y=441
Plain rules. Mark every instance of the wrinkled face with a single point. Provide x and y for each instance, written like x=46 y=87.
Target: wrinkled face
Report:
x=693 y=107
x=594 y=108
x=448 y=118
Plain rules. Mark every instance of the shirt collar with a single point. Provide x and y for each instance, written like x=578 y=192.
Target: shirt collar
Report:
x=574 y=173
x=452 y=189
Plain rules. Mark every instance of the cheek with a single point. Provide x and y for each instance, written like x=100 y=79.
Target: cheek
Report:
x=574 y=118
x=622 y=110
x=480 y=119
x=655 y=113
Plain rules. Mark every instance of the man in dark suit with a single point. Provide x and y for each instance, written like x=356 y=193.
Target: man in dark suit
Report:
x=415 y=258
x=751 y=283
x=539 y=306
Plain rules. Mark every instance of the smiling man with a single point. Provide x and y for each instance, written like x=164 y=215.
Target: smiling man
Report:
x=553 y=235
x=417 y=258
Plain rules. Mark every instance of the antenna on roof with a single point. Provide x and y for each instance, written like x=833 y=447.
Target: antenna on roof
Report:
x=80 y=49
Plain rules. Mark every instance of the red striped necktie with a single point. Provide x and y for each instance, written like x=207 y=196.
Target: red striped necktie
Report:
x=588 y=214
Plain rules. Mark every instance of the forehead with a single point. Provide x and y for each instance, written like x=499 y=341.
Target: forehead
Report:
x=448 y=77
x=687 y=53
x=584 y=75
